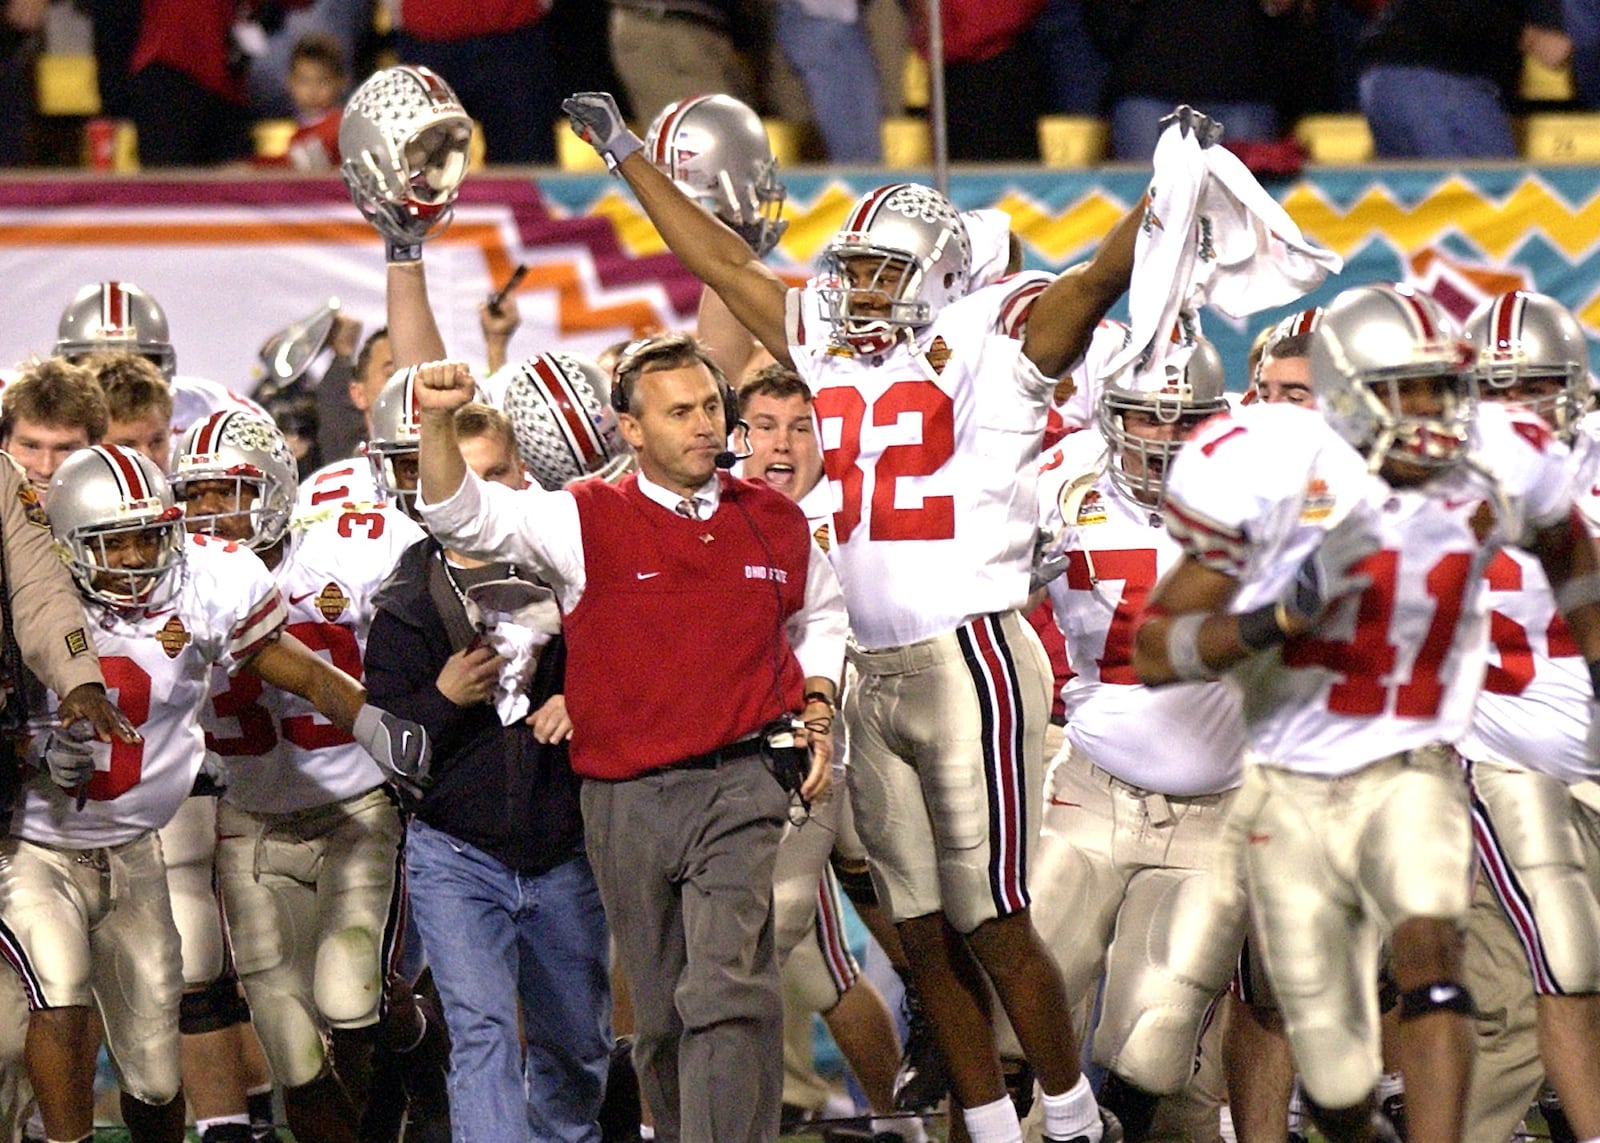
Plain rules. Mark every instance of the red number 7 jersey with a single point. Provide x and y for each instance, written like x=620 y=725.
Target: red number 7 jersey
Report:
x=929 y=450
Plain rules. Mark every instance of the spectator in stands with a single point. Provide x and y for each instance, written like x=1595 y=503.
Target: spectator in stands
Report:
x=1438 y=80
x=266 y=81
x=826 y=43
x=1229 y=58
x=20 y=22
x=318 y=83
x=1581 y=20
x=497 y=58
x=1074 y=68
x=993 y=81
x=666 y=50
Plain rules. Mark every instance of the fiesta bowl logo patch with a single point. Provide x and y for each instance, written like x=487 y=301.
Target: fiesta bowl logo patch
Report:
x=331 y=601
x=1318 y=502
x=173 y=637
x=1092 y=510
x=32 y=509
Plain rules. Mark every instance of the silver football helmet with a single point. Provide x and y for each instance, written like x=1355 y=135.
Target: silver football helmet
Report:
x=1370 y=342
x=1524 y=342
x=559 y=405
x=250 y=452
x=404 y=138
x=396 y=437
x=100 y=495
x=716 y=150
x=901 y=256
x=116 y=315
x=1165 y=408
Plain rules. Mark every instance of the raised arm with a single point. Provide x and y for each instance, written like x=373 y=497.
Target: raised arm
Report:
x=1064 y=316
x=413 y=332
x=711 y=252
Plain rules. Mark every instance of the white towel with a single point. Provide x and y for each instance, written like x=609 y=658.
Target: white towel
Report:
x=1213 y=235
x=519 y=619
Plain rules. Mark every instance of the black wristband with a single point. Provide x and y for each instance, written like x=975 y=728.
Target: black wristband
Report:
x=1259 y=628
x=403 y=252
x=1594 y=678
x=820 y=698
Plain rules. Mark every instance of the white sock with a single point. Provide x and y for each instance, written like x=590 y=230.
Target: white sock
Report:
x=201 y=1126
x=1072 y=1113
x=993 y=1122
x=1225 y=1125
x=906 y=1127
x=1390 y=1083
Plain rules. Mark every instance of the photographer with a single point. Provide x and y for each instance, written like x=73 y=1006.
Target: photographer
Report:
x=502 y=894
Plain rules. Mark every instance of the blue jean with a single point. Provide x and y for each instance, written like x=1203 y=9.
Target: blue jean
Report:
x=834 y=62
x=1136 y=123
x=493 y=935
x=1426 y=113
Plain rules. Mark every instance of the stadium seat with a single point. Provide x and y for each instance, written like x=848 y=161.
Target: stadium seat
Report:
x=1561 y=137
x=1542 y=84
x=572 y=153
x=907 y=142
x=914 y=81
x=788 y=140
x=272 y=136
x=1072 y=140
x=67 y=85
x=1336 y=140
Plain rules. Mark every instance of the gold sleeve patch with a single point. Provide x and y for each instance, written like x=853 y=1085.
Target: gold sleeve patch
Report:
x=77 y=641
x=28 y=496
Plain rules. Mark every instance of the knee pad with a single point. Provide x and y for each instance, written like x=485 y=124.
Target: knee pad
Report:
x=348 y=981
x=212 y=1008
x=1441 y=996
x=856 y=881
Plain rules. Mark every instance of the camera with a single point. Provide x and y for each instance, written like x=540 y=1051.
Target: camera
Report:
x=789 y=759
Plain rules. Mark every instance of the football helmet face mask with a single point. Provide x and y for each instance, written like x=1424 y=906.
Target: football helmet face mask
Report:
x=120 y=532
x=396 y=437
x=116 y=316
x=715 y=148
x=1146 y=421
x=901 y=256
x=559 y=405
x=404 y=137
x=1531 y=350
x=250 y=454
x=1375 y=351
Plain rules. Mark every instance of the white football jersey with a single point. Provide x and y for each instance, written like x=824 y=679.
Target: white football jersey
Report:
x=158 y=667
x=1534 y=709
x=1399 y=665
x=332 y=567
x=930 y=450
x=1182 y=740
x=348 y=481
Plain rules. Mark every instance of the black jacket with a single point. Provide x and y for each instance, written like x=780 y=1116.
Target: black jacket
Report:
x=497 y=787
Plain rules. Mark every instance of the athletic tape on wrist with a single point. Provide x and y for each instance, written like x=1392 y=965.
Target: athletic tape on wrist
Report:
x=1183 y=648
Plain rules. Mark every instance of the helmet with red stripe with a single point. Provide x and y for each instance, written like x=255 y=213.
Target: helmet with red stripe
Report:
x=1147 y=417
x=559 y=405
x=1531 y=350
x=396 y=437
x=250 y=453
x=901 y=256
x=115 y=315
x=1375 y=349
x=405 y=137
x=715 y=148
x=119 y=531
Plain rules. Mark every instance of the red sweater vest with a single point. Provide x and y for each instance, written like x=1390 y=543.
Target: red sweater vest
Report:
x=678 y=645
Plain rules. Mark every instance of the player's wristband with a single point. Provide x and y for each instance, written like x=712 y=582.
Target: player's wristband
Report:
x=1594 y=678
x=620 y=148
x=403 y=252
x=818 y=698
x=1260 y=628
x=1183 y=648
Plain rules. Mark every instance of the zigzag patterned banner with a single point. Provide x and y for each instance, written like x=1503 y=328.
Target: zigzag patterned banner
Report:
x=234 y=261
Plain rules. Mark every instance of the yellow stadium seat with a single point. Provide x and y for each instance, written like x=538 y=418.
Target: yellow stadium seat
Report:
x=573 y=154
x=907 y=142
x=272 y=136
x=1072 y=140
x=67 y=85
x=787 y=139
x=1339 y=140
x=914 y=81
x=476 y=148
x=1561 y=137
x=1542 y=84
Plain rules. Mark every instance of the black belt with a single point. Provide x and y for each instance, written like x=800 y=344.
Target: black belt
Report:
x=711 y=759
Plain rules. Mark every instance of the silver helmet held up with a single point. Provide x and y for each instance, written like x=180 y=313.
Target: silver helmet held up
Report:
x=715 y=148
x=101 y=495
x=559 y=406
x=250 y=452
x=901 y=256
x=1530 y=349
x=116 y=316
x=1146 y=419
x=405 y=138
x=1372 y=341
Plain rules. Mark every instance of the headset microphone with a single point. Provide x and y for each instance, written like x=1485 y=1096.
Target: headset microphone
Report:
x=727 y=458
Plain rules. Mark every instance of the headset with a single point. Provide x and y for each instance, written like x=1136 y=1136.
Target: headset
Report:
x=675 y=348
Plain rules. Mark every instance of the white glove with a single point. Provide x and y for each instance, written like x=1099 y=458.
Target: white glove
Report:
x=400 y=747
x=597 y=121
x=69 y=755
x=1327 y=573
